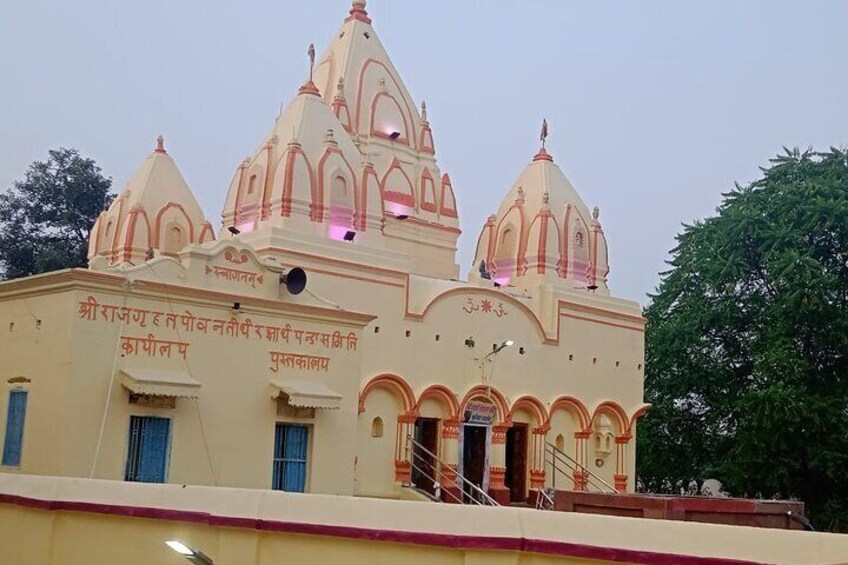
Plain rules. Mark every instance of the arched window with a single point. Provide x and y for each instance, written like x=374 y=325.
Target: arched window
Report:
x=560 y=442
x=341 y=207
x=377 y=427
x=339 y=196
x=174 y=241
x=579 y=267
x=507 y=245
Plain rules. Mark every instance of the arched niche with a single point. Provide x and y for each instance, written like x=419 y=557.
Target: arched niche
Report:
x=398 y=191
x=388 y=119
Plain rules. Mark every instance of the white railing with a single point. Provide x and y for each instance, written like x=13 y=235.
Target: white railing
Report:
x=432 y=468
x=555 y=456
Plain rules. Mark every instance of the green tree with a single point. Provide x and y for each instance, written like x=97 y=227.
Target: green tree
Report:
x=747 y=345
x=46 y=218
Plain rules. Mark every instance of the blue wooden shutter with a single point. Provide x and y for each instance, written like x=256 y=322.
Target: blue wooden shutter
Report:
x=279 y=437
x=15 y=418
x=154 y=450
x=291 y=443
x=295 y=458
x=133 y=448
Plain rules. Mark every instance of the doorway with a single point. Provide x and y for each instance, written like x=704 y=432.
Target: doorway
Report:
x=473 y=459
x=426 y=434
x=516 y=462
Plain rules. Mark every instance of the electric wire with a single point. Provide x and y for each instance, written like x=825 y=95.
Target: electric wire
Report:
x=191 y=374
x=127 y=287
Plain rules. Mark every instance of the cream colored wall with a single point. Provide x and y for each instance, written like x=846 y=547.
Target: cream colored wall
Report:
x=70 y=362
x=375 y=456
x=235 y=407
x=352 y=530
x=584 y=349
x=597 y=358
x=30 y=328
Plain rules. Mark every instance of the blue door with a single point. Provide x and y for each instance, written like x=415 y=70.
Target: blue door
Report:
x=15 y=418
x=147 y=454
x=290 y=447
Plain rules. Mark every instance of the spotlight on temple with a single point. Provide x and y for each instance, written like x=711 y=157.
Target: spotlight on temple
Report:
x=349 y=235
x=192 y=555
x=236 y=306
x=593 y=287
x=233 y=230
x=402 y=216
x=394 y=135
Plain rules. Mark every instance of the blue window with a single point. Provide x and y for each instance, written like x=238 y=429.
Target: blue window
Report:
x=147 y=454
x=290 y=443
x=15 y=428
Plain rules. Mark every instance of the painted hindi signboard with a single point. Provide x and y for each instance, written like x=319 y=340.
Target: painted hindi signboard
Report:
x=480 y=413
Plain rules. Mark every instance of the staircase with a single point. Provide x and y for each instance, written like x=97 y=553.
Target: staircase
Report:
x=562 y=463
x=442 y=478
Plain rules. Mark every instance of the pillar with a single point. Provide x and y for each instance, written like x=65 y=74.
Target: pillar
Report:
x=451 y=492
x=537 y=458
x=580 y=475
x=403 y=466
x=620 y=476
x=497 y=465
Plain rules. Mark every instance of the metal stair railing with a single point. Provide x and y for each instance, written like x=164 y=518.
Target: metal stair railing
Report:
x=558 y=456
x=420 y=463
x=545 y=498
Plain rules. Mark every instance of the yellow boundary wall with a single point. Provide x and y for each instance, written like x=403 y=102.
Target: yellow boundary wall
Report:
x=53 y=521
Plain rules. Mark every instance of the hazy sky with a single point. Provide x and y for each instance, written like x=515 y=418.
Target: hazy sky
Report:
x=655 y=108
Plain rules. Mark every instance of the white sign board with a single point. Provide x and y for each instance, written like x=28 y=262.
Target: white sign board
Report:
x=479 y=413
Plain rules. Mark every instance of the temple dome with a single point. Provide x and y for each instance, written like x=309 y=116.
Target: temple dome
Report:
x=543 y=230
x=307 y=175
x=357 y=78
x=351 y=158
x=156 y=213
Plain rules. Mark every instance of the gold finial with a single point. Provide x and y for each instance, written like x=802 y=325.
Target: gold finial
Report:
x=520 y=197
x=160 y=145
x=546 y=198
x=423 y=111
x=595 y=213
x=329 y=138
x=340 y=88
x=311 y=53
x=544 y=134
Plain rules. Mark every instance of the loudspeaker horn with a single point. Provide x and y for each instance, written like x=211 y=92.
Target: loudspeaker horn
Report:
x=294 y=279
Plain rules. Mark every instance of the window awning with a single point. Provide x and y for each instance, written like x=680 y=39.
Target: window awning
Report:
x=160 y=383
x=307 y=394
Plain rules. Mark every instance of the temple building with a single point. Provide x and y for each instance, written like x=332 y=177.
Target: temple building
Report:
x=320 y=338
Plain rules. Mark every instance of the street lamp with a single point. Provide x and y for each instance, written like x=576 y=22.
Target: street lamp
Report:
x=499 y=348
x=192 y=555
x=488 y=357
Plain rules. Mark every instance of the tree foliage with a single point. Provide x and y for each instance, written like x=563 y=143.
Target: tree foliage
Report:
x=46 y=218
x=747 y=344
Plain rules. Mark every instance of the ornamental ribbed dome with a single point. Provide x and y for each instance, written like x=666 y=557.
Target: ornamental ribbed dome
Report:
x=543 y=229
x=156 y=213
